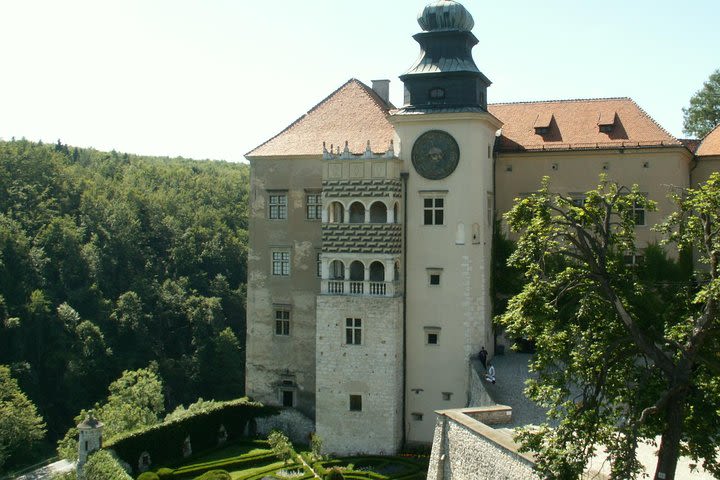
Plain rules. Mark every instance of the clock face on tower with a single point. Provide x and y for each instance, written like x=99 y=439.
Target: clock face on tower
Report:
x=435 y=154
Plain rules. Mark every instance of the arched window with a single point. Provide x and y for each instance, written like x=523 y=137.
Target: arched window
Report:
x=378 y=213
x=357 y=213
x=337 y=270
x=396 y=212
x=335 y=212
x=396 y=273
x=377 y=272
x=460 y=234
x=357 y=271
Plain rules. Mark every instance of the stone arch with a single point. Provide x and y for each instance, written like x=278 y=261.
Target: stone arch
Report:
x=337 y=270
x=378 y=212
x=377 y=272
x=336 y=212
x=357 y=271
x=357 y=212
x=144 y=462
x=222 y=435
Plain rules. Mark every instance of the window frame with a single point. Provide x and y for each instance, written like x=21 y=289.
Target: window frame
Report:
x=639 y=212
x=434 y=331
x=353 y=331
x=277 y=205
x=315 y=206
x=282 y=317
x=431 y=211
x=280 y=267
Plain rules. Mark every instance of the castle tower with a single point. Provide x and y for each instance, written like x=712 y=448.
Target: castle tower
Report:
x=446 y=139
x=359 y=330
x=89 y=440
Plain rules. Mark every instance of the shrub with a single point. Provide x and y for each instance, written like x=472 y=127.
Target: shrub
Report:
x=148 y=476
x=215 y=475
x=281 y=446
x=164 y=442
x=164 y=473
x=102 y=465
x=334 y=474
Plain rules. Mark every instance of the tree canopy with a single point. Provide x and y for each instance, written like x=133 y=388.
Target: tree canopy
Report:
x=625 y=352
x=21 y=427
x=110 y=261
x=703 y=114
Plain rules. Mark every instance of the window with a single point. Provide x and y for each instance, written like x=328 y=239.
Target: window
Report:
x=437 y=94
x=433 y=211
x=282 y=321
x=287 y=397
x=577 y=199
x=356 y=403
x=432 y=335
x=434 y=276
x=634 y=260
x=353 y=331
x=313 y=209
x=318 y=267
x=281 y=263
x=417 y=416
x=278 y=206
x=639 y=212
x=446 y=396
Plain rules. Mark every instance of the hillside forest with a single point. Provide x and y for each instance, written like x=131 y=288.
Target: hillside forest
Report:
x=113 y=262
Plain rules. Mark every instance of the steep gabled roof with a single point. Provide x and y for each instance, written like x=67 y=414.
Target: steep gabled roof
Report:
x=710 y=145
x=352 y=113
x=578 y=124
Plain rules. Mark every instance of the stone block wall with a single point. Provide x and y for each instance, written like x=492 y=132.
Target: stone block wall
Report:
x=372 y=370
x=465 y=448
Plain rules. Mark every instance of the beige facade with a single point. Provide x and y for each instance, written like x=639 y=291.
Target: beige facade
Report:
x=281 y=302
x=369 y=278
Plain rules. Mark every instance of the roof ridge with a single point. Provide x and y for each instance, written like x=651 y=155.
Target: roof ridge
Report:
x=702 y=140
x=301 y=117
x=655 y=122
x=567 y=100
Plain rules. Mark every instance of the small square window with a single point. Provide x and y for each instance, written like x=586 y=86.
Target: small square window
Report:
x=434 y=276
x=435 y=279
x=555 y=166
x=356 y=403
x=508 y=168
x=432 y=338
x=446 y=396
x=432 y=335
x=417 y=416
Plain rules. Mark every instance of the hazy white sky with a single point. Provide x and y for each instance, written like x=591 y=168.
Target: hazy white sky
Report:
x=214 y=78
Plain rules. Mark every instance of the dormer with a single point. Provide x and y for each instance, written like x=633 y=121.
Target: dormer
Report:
x=606 y=121
x=543 y=123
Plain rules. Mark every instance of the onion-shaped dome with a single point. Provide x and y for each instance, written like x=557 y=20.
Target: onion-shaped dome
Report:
x=445 y=15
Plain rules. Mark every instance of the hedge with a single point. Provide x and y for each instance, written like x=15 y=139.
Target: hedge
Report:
x=242 y=462
x=164 y=442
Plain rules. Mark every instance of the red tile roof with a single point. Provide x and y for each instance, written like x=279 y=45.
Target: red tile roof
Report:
x=691 y=144
x=710 y=145
x=352 y=113
x=576 y=125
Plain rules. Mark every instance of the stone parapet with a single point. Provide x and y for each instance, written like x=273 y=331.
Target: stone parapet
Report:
x=362 y=188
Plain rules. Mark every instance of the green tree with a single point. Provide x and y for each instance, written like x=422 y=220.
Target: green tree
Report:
x=703 y=114
x=21 y=427
x=102 y=465
x=281 y=446
x=623 y=353
x=135 y=400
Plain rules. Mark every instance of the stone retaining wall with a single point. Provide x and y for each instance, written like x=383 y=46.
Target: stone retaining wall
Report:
x=466 y=448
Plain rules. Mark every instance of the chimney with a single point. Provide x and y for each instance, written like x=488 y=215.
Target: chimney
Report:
x=382 y=88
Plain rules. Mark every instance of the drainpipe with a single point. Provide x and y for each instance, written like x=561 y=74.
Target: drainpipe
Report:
x=404 y=176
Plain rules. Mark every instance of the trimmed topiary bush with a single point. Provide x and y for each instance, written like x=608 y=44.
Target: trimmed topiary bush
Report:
x=215 y=475
x=334 y=474
x=165 y=473
x=148 y=476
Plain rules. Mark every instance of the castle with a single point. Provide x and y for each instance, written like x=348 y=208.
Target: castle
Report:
x=371 y=230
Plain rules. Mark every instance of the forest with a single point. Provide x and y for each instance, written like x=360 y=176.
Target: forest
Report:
x=112 y=262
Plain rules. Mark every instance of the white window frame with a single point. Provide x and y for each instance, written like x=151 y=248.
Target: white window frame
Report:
x=353 y=331
x=278 y=205
x=280 y=263
x=313 y=205
x=282 y=317
x=639 y=211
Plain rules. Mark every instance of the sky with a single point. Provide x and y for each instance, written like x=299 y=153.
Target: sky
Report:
x=215 y=78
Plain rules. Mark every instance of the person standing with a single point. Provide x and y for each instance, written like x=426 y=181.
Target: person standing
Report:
x=483 y=357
